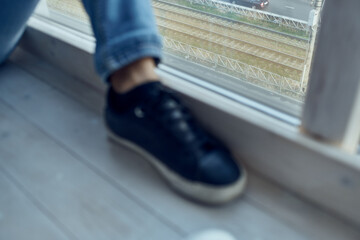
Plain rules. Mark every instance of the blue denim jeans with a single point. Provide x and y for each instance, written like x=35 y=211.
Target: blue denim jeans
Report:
x=125 y=30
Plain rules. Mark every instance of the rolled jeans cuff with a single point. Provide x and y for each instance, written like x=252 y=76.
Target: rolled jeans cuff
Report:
x=122 y=51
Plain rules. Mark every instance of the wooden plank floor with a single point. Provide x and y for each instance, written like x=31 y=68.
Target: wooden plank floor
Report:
x=61 y=178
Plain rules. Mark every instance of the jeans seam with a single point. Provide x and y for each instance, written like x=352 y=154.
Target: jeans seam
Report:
x=120 y=57
x=121 y=52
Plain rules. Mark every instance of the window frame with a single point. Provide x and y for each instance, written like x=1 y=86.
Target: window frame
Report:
x=332 y=111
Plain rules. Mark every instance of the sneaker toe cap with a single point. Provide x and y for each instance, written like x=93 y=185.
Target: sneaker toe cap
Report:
x=218 y=168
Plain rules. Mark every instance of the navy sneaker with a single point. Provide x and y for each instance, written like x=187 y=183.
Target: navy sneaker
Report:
x=151 y=120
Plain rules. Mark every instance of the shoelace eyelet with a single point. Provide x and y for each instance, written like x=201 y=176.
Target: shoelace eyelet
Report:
x=139 y=113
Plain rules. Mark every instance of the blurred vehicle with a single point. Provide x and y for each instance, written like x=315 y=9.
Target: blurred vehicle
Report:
x=255 y=4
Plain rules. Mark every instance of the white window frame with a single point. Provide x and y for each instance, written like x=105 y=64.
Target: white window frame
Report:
x=315 y=160
x=332 y=110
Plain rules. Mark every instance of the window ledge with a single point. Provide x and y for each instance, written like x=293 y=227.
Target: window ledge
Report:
x=271 y=146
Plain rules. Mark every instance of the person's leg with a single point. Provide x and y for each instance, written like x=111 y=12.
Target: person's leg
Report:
x=13 y=17
x=145 y=116
x=128 y=44
x=134 y=74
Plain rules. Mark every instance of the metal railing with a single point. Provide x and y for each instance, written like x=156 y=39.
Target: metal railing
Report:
x=254 y=75
x=256 y=14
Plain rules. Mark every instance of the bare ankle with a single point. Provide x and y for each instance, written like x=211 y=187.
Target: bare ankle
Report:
x=133 y=75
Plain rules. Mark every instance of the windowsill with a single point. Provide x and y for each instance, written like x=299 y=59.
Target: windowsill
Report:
x=316 y=171
x=63 y=116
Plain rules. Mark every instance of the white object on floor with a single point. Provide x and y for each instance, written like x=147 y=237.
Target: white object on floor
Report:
x=211 y=234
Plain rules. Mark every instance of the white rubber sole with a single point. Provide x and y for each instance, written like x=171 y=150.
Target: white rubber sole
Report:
x=197 y=191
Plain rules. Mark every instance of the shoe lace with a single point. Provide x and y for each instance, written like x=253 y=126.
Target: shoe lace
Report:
x=179 y=121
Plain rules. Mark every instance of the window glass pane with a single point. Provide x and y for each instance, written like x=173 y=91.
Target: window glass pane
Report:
x=71 y=8
x=258 y=48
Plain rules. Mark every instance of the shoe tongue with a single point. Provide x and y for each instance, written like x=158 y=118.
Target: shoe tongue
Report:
x=144 y=91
